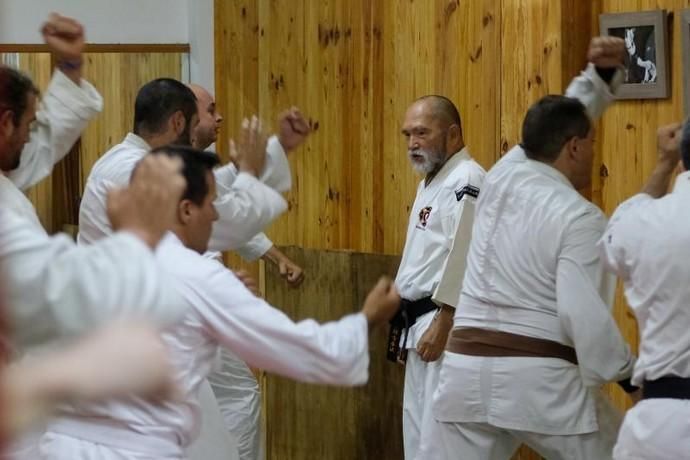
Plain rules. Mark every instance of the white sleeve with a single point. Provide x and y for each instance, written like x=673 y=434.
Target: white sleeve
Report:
x=255 y=248
x=621 y=234
x=244 y=210
x=593 y=91
x=332 y=353
x=276 y=172
x=56 y=288
x=64 y=111
x=603 y=354
x=459 y=233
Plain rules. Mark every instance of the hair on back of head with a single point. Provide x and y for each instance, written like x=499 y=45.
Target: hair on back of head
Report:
x=550 y=123
x=196 y=166
x=15 y=88
x=158 y=100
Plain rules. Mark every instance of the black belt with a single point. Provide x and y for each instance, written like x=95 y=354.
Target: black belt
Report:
x=666 y=387
x=406 y=316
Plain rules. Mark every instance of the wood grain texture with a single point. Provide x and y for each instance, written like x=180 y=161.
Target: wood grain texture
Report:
x=313 y=421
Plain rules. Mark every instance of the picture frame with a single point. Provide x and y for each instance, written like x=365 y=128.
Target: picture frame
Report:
x=646 y=41
x=685 y=54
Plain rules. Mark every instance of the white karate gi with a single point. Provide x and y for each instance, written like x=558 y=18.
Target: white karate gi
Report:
x=646 y=244
x=224 y=313
x=438 y=209
x=533 y=270
x=245 y=204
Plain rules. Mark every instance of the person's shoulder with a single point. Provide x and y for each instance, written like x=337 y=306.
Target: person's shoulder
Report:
x=468 y=174
x=117 y=164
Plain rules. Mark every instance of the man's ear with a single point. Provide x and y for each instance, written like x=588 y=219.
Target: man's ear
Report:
x=573 y=148
x=7 y=126
x=454 y=134
x=184 y=211
x=177 y=122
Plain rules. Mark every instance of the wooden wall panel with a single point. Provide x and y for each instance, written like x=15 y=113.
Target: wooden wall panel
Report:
x=353 y=68
x=315 y=421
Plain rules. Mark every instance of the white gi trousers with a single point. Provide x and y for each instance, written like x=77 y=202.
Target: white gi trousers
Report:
x=421 y=379
x=655 y=429
x=483 y=441
x=239 y=401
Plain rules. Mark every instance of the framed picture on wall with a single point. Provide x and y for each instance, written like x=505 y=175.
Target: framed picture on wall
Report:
x=646 y=63
x=685 y=38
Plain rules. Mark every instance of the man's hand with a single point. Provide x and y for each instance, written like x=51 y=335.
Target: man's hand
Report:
x=249 y=282
x=433 y=341
x=249 y=155
x=293 y=129
x=606 y=52
x=668 y=144
x=290 y=272
x=382 y=302
x=65 y=38
x=148 y=207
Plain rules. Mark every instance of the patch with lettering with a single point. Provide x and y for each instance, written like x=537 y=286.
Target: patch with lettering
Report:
x=424 y=214
x=469 y=190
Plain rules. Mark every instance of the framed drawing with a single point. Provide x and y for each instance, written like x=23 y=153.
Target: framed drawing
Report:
x=646 y=63
x=685 y=38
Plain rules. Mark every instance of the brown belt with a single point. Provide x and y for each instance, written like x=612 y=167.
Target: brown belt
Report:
x=484 y=342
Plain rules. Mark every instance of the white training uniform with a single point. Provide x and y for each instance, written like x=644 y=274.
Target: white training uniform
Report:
x=223 y=313
x=646 y=245
x=533 y=269
x=245 y=205
x=438 y=209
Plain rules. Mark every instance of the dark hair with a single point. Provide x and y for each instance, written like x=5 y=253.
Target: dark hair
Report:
x=685 y=145
x=444 y=109
x=550 y=123
x=15 y=88
x=196 y=164
x=157 y=100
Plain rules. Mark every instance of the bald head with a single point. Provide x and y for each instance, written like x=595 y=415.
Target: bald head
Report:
x=433 y=132
x=210 y=120
x=442 y=109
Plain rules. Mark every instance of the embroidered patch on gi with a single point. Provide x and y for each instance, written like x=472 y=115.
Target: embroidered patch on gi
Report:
x=424 y=217
x=469 y=190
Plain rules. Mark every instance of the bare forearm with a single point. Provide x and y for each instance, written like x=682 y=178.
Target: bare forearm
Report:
x=658 y=183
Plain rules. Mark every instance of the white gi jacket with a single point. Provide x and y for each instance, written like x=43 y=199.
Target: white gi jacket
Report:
x=645 y=245
x=244 y=204
x=431 y=231
x=223 y=313
x=533 y=269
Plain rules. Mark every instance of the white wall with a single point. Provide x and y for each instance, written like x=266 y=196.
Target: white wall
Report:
x=123 y=21
x=106 y=21
x=201 y=59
